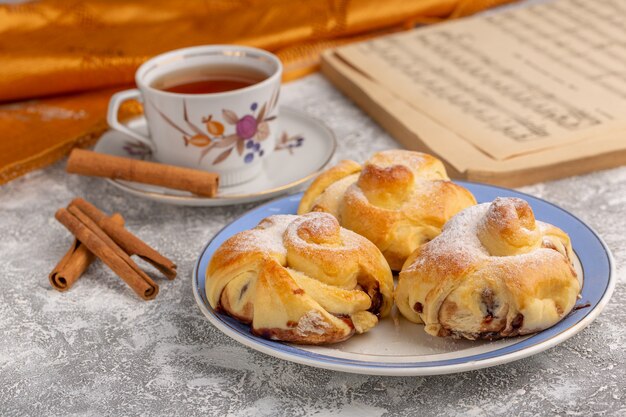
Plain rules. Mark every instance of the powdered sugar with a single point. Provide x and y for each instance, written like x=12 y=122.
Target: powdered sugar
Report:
x=266 y=237
x=459 y=241
x=311 y=322
x=271 y=233
x=460 y=234
x=320 y=226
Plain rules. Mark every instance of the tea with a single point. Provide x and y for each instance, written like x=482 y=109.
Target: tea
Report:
x=209 y=79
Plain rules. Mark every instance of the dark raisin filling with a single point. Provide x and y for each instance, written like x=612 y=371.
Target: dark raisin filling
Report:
x=489 y=301
x=372 y=288
x=346 y=319
x=377 y=302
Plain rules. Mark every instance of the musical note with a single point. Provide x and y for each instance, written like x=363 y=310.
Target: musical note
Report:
x=547 y=72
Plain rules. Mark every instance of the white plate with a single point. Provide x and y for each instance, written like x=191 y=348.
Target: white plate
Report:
x=398 y=347
x=290 y=166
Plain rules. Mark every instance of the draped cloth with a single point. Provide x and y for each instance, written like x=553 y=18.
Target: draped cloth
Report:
x=61 y=60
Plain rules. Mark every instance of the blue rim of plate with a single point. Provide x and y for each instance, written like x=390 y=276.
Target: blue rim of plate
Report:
x=595 y=258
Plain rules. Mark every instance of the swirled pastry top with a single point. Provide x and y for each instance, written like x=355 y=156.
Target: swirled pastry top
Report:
x=494 y=271
x=302 y=279
x=398 y=200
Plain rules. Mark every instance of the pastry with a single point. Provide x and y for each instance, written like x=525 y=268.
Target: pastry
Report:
x=398 y=199
x=493 y=272
x=301 y=279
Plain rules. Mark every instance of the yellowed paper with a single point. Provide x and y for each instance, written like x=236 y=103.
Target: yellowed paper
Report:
x=463 y=160
x=511 y=83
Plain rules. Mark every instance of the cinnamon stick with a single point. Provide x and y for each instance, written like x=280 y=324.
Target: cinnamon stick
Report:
x=130 y=243
x=75 y=262
x=85 y=162
x=94 y=238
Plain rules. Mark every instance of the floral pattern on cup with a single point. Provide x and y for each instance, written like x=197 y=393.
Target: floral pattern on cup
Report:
x=230 y=132
x=287 y=142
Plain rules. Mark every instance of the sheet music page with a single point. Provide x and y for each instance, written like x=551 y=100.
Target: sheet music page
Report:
x=512 y=82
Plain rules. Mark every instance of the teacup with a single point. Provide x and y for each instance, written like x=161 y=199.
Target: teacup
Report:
x=228 y=132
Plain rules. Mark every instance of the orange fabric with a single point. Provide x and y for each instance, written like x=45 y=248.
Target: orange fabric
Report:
x=84 y=50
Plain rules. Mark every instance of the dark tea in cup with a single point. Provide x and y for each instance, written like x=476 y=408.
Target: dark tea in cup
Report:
x=208 y=79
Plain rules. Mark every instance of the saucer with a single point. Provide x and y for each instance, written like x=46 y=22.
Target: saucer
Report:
x=304 y=147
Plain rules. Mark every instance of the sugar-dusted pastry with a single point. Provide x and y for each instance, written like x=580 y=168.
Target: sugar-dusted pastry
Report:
x=493 y=272
x=301 y=279
x=398 y=199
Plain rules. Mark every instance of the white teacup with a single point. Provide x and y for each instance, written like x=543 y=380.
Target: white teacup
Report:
x=227 y=132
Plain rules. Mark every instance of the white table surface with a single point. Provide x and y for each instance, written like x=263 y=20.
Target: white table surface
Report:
x=99 y=350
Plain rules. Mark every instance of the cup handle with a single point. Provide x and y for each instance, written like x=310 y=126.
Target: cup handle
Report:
x=114 y=105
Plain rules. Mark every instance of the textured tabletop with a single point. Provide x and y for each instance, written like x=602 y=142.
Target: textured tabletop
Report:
x=100 y=350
